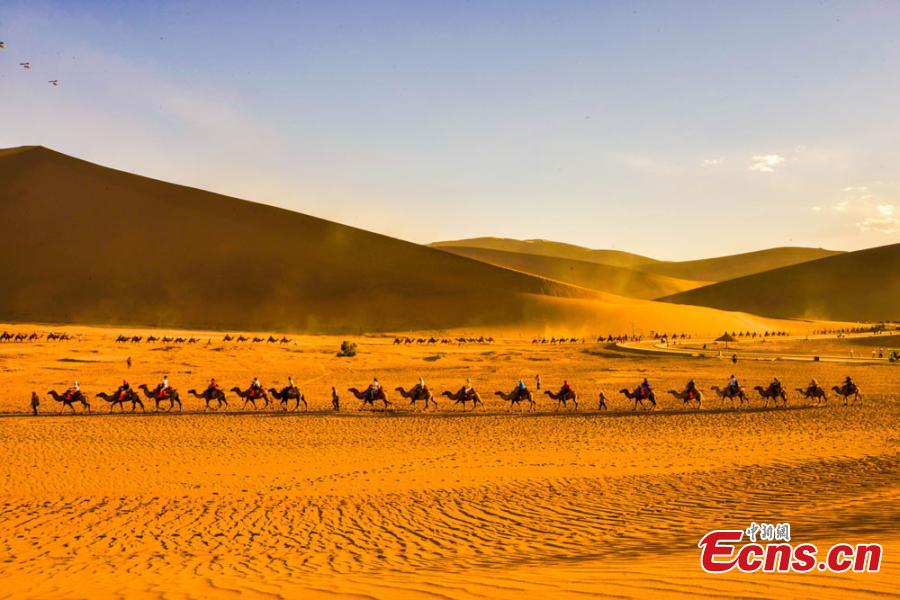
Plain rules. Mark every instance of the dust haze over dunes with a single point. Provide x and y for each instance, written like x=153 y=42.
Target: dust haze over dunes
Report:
x=95 y=245
x=615 y=258
x=861 y=285
x=702 y=270
x=598 y=276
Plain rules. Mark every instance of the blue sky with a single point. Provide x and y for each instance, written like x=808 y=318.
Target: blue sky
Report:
x=673 y=129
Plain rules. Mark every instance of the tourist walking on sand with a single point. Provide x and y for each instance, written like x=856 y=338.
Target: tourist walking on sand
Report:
x=128 y=362
x=35 y=402
x=537 y=382
x=335 y=399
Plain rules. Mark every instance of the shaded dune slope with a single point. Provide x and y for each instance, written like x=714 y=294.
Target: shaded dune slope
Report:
x=862 y=285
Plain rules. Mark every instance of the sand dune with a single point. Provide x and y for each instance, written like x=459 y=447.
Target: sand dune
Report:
x=703 y=270
x=95 y=245
x=616 y=258
x=621 y=281
x=862 y=285
x=738 y=265
x=423 y=504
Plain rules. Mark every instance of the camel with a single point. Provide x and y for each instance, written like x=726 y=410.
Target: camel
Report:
x=686 y=397
x=157 y=397
x=845 y=391
x=772 y=392
x=639 y=398
x=210 y=394
x=562 y=398
x=814 y=393
x=129 y=396
x=729 y=394
x=289 y=393
x=417 y=393
x=518 y=397
x=250 y=396
x=462 y=396
x=369 y=398
x=68 y=399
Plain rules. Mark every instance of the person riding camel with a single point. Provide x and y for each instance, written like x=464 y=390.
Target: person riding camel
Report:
x=213 y=385
x=291 y=383
x=374 y=388
x=645 y=388
x=255 y=388
x=813 y=386
x=733 y=384
x=521 y=389
x=420 y=386
x=162 y=390
x=566 y=388
x=75 y=389
x=120 y=393
x=691 y=389
x=775 y=385
x=848 y=383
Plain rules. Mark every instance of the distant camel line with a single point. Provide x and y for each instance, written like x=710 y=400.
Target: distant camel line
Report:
x=372 y=396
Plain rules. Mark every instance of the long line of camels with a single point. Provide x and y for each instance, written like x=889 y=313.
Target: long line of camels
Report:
x=523 y=398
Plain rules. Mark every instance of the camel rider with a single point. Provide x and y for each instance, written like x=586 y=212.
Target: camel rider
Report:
x=120 y=393
x=521 y=389
x=645 y=388
x=733 y=384
x=775 y=385
x=691 y=389
x=813 y=385
x=255 y=388
x=291 y=383
x=421 y=383
x=75 y=389
x=374 y=388
x=566 y=388
x=163 y=389
x=213 y=385
x=848 y=383
x=467 y=388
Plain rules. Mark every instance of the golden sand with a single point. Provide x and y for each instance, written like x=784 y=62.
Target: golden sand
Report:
x=406 y=504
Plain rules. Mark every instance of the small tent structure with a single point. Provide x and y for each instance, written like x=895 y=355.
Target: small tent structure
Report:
x=726 y=337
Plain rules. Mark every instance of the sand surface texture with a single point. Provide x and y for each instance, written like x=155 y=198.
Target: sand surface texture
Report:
x=438 y=503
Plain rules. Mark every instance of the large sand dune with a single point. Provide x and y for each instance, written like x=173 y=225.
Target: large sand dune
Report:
x=622 y=281
x=89 y=244
x=862 y=285
x=702 y=270
x=438 y=504
x=95 y=245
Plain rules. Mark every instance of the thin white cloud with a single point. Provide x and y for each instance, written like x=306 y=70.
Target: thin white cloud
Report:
x=713 y=162
x=841 y=206
x=765 y=163
x=884 y=225
x=886 y=209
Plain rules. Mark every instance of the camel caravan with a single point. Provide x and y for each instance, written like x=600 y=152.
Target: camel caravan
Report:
x=419 y=397
x=19 y=338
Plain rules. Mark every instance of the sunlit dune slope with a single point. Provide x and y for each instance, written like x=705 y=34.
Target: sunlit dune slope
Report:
x=607 y=278
x=862 y=285
x=737 y=265
x=85 y=243
x=702 y=270
x=616 y=258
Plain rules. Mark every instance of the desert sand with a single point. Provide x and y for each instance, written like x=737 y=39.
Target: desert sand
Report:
x=407 y=503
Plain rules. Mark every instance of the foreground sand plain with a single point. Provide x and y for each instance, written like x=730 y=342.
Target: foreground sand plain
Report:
x=437 y=504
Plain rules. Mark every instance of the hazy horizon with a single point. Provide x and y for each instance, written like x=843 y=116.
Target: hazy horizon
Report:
x=669 y=130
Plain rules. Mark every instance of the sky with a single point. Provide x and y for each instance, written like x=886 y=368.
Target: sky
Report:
x=672 y=129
